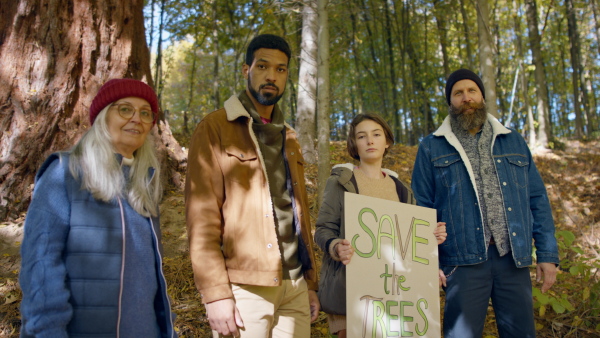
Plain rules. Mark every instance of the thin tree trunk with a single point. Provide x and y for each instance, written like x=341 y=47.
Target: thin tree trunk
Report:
x=540 y=73
x=158 y=65
x=307 y=83
x=216 y=51
x=323 y=98
x=191 y=91
x=576 y=66
x=440 y=11
x=486 y=56
x=596 y=12
x=393 y=77
x=355 y=51
x=523 y=78
x=469 y=49
x=578 y=62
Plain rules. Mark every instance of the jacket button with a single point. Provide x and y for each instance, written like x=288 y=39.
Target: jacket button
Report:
x=292 y=153
x=509 y=209
x=242 y=155
x=499 y=161
x=295 y=183
x=514 y=233
x=275 y=280
x=504 y=183
x=269 y=246
x=446 y=162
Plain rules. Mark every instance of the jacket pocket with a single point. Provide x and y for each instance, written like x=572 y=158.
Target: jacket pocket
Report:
x=518 y=166
x=241 y=165
x=451 y=169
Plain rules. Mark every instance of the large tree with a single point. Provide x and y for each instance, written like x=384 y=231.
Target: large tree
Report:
x=55 y=55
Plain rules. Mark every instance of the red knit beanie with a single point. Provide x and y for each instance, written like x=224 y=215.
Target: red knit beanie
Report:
x=116 y=89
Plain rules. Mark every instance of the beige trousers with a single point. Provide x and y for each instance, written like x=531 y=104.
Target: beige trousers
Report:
x=273 y=311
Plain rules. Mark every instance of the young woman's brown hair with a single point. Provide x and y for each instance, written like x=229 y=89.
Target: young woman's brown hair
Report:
x=351 y=141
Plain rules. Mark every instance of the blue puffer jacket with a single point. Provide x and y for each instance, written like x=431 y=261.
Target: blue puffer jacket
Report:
x=443 y=179
x=72 y=260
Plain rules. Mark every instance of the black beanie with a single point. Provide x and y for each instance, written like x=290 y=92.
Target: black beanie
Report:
x=462 y=74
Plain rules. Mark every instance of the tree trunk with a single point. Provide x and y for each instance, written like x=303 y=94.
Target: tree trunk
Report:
x=307 y=83
x=323 y=98
x=486 y=56
x=158 y=76
x=596 y=12
x=441 y=11
x=355 y=50
x=392 y=74
x=72 y=48
x=579 y=90
x=469 y=49
x=529 y=120
x=215 y=88
x=540 y=72
x=191 y=90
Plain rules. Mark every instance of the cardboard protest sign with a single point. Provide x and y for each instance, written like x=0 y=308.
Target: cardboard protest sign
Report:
x=392 y=287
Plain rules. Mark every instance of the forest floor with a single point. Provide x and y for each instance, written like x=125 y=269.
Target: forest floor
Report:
x=571 y=175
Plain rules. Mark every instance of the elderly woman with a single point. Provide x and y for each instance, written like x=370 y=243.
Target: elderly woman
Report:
x=91 y=253
x=369 y=139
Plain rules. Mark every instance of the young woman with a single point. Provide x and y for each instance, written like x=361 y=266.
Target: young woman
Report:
x=369 y=139
x=91 y=253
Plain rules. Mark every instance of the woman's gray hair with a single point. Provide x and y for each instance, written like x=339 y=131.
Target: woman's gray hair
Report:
x=93 y=159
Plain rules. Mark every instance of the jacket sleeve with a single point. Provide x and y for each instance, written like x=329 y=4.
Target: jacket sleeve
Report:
x=204 y=197
x=543 y=223
x=329 y=221
x=423 y=181
x=45 y=308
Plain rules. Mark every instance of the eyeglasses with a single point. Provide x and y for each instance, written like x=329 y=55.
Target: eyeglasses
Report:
x=127 y=111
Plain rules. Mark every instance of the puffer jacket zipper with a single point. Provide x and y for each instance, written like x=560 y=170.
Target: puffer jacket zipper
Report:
x=122 y=268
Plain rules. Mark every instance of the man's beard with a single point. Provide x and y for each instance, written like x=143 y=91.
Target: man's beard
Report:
x=264 y=99
x=469 y=121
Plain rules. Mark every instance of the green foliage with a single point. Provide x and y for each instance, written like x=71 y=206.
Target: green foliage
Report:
x=579 y=274
x=387 y=57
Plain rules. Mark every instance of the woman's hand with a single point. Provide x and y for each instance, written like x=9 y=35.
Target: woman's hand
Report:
x=440 y=232
x=344 y=251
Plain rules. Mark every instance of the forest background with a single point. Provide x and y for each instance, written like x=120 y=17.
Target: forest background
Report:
x=540 y=61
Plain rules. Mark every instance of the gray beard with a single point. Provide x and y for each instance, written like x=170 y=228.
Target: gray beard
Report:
x=469 y=121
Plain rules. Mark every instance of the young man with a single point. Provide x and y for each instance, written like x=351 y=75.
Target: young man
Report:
x=247 y=211
x=482 y=180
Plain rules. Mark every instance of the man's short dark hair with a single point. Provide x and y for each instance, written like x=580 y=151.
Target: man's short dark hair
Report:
x=351 y=141
x=268 y=41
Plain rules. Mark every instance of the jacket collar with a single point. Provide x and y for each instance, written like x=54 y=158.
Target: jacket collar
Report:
x=345 y=170
x=497 y=128
x=234 y=109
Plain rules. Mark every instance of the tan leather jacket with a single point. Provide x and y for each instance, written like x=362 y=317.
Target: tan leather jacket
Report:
x=229 y=213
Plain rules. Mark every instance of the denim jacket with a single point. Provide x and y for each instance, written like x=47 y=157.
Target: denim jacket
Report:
x=443 y=179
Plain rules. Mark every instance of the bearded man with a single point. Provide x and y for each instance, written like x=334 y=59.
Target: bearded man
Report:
x=247 y=208
x=481 y=179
